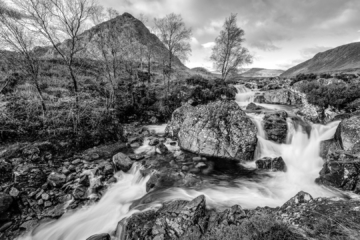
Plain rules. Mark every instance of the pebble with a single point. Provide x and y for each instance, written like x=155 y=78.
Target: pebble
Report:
x=196 y=159
x=47 y=204
x=201 y=165
x=40 y=202
x=14 y=192
x=45 y=196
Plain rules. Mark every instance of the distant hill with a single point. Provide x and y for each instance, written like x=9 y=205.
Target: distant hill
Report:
x=261 y=72
x=345 y=58
x=126 y=21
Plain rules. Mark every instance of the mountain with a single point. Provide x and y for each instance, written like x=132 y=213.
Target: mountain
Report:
x=345 y=58
x=89 y=39
x=261 y=72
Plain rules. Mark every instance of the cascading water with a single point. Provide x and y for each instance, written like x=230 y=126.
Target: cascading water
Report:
x=300 y=153
x=101 y=217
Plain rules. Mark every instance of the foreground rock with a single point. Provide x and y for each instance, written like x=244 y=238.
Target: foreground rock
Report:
x=219 y=129
x=273 y=164
x=342 y=157
x=103 y=236
x=281 y=96
x=275 y=126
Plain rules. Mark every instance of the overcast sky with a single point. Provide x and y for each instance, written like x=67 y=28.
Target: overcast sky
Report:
x=279 y=33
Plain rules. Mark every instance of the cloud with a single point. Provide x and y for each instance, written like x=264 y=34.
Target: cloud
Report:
x=208 y=45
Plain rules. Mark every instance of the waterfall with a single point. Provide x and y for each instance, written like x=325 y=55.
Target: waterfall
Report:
x=101 y=217
x=244 y=95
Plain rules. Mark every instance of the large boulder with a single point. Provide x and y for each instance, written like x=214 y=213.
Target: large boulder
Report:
x=348 y=134
x=281 y=96
x=122 y=162
x=218 y=129
x=273 y=164
x=275 y=126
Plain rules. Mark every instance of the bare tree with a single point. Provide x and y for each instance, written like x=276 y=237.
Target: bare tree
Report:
x=228 y=53
x=57 y=21
x=15 y=36
x=99 y=14
x=173 y=33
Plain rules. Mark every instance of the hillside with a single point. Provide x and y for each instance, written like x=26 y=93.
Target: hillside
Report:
x=345 y=58
x=119 y=26
x=261 y=72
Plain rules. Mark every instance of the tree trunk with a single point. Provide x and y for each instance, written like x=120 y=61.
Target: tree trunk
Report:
x=40 y=95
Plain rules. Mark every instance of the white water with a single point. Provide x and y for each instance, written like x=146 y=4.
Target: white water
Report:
x=300 y=153
x=101 y=217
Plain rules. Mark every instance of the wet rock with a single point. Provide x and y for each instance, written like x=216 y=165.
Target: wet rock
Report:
x=29 y=175
x=253 y=107
x=161 y=180
x=341 y=170
x=327 y=147
x=162 y=149
x=201 y=165
x=45 y=196
x=85 y=181
x=104 y=236
x=109 y=169
x=29 y=225
x=273 y=164
x=218 y=129
x=80 y=192
x=136 y=157
x=122 y=162
x=76 y=162
x=56 y=179
x=5 y=171
x=281 y=96
x=5 y=202
x=154 y=142
x=275 y=126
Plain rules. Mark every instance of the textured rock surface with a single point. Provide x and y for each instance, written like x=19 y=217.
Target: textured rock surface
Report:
x=348 y=134
x=275 y=126
x=122 y=162
x=273 y=164
x=281 y=96
x=103 y=236
x=218 y=129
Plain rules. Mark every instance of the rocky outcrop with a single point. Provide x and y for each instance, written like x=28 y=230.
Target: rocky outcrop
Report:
x=273 y=164
x=341 y=170
x=348 y=134
x=281 y=96
x=218 y=129
x=275 y=126
x=122 y=162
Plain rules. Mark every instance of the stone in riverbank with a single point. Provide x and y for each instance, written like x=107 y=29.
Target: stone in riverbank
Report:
x=273 y=164
x=122 y=162
x=281 y=96
x=275 y=126
x=218 y=129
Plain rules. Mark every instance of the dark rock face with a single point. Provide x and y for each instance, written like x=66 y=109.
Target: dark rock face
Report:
x=5 y=202
x=122 y=162
x=341 y=170
x=219 y=129
x=253 y=107
x=273 y=164
x=103 y=236
x=281 y=96
x=276 y=127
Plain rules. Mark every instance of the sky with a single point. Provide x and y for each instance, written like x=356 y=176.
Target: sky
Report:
x=279 y=33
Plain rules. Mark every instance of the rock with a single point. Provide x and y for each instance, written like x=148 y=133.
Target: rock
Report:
x=162 y=149
x=76 y=162
x=29 y=176
x=5 y=226
x=218 y=129
x=104 y=236
x=170 y=222
x=275 y=126
x=122 y=162
x=253 y=107
x=14 y=192
x=32 y=153
x=47 y=204
x=80 y=192
x=273 y=164
x=136 y=157
x=301 y=197
x=45 y=196
x=348 y=134
x=5 y=171
x=135 y=145
x=56 y=179
x=154 y=142
x=5 y=202
x=109 y=169
x=29 y=225
x=196 y=159
x=341 y=170
x=85 y=181
x=201 y=165
x=281 y=96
